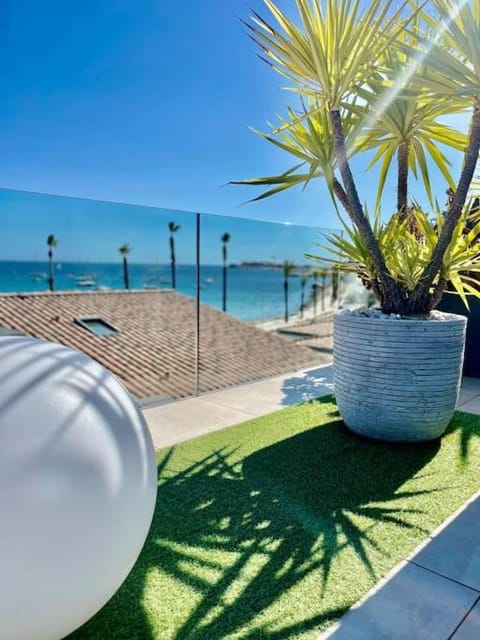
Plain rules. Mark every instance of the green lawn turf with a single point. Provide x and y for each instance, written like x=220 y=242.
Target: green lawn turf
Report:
x=273 y=528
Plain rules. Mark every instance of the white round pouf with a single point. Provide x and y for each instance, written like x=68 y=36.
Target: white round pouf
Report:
x=78 y=485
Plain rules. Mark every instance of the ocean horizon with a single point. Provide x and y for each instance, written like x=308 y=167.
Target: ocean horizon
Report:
x=254 y=293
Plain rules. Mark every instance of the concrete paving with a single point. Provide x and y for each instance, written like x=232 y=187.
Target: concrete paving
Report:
x=435 y=593
x=186 y=419
x=469 y=399
x=469 y=629
x=455 y=551
x=413 y=604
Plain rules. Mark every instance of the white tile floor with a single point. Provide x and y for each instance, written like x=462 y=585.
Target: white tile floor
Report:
x=434 y=594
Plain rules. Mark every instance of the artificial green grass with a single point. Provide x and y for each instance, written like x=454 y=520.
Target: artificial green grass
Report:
x=273 y=528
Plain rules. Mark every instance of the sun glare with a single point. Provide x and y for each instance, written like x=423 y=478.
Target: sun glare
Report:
x=405 y=77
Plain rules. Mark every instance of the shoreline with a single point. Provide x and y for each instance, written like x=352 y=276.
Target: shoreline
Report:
x=350 y=295
x=297 y=319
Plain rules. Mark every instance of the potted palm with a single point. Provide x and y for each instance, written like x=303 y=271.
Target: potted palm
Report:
x=379 y=82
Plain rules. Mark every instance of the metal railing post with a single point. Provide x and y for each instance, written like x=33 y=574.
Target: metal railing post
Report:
x=197 y=310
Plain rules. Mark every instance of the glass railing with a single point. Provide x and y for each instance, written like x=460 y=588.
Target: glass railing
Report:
x=267 y=290
x=252 y=306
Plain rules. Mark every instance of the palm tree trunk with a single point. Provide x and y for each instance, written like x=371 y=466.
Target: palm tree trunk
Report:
x=314 y=296
x=285 y=291
x=172 y=262
x=402 y=184
x=126 y=280
x=421 y=299
x=302 y=302
x=50 y=270
x=390 y=294
x=323 y=293
x=438 y=293
x=224 y=281
x=341 y=195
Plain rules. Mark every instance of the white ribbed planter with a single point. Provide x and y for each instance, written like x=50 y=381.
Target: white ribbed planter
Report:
x=397 y=380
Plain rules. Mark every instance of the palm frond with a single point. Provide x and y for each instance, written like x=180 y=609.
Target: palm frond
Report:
x=335 y=48
x=451 y=58
x=407 y=245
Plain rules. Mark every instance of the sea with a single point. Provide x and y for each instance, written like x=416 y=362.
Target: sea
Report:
x=253 y=293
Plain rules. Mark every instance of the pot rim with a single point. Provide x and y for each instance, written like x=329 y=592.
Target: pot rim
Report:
x=402 y=321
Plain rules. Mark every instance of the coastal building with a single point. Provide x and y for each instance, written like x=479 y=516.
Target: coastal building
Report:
x=147 y=339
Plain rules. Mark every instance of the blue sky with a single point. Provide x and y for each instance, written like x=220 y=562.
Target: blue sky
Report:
x=145 y=101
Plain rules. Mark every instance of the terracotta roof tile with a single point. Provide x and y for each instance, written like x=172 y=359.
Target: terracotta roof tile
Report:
x=154 y=351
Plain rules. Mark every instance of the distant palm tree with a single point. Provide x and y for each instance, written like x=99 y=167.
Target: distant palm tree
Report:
x=124 y=250
x=225 y=240
x=288 y=268
x=315 y=276
x=303 y=282
x=322 y=274
x=173 y=228
x=335 y=274
x=52 y=243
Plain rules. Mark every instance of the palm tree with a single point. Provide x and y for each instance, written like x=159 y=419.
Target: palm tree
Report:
x=225 y=240
x=173 y=228
x=335 y=275
x=319 y=273
x=389 y=95
x=303 y=282
x=315 y=274
x=124 y=250
x=288 y=268
x=409 y=130
x=323 y=276
x=52 y=243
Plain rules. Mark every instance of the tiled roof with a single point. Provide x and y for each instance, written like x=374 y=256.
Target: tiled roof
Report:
x=153 y=353
x=318 y=334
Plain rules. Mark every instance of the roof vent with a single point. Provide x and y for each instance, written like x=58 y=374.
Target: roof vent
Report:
x=96 y=325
